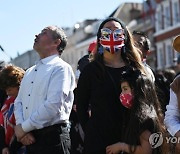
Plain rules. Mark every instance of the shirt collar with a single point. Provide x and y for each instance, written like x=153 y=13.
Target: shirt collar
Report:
x=47 y=59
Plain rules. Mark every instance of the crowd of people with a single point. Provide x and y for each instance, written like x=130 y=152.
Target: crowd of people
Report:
x=113 y=104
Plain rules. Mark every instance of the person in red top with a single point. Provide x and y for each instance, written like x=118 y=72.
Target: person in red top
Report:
x=10 y=78
x=7 y=119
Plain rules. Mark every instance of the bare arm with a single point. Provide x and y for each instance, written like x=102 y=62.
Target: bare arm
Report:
x=177 y=144
x=144 y=148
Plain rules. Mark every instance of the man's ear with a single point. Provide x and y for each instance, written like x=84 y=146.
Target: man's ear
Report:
x=57 y=42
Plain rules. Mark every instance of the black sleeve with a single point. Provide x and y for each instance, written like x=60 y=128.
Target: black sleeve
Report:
x=15 y=146
x=2 y=138
x=83 y=95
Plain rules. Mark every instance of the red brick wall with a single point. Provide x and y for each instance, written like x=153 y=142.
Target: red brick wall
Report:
x=167 y=35
x=158 y=1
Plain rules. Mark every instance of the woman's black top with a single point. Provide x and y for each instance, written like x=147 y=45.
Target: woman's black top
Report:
x=96 y=87
x=99 y=87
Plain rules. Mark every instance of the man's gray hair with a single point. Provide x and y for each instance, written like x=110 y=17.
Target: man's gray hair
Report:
x=58 y=33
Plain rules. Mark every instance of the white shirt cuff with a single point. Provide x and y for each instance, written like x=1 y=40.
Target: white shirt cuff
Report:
x=27 y=127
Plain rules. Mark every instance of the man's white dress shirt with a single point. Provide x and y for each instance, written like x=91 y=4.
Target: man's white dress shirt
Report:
x=46 y=94
x=172 y=115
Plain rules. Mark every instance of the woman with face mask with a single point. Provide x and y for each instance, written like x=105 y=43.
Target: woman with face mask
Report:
x=98 y=86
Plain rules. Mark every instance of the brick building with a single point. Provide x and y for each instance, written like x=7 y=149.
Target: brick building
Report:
x=167 y=27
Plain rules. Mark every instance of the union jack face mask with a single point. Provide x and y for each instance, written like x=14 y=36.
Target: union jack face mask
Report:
x=112 y=41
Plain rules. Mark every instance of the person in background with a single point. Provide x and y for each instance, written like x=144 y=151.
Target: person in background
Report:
x=169 y=74
x=86 y=59
x=45 y=98
x=143 y=44
x=10 y=79
x=162 y=89
x=161 y=84
x=98 y=86
x=92 y=49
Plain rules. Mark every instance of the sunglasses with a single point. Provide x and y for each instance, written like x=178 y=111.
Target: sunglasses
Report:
x=105 y=32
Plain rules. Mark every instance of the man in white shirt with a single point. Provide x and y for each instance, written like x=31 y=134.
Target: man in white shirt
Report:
x=45 y=98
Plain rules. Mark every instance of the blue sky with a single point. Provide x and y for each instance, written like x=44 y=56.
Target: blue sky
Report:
x=22 y=19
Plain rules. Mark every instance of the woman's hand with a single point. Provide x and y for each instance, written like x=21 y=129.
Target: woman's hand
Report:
x=144 y=148
x=28 y=139
x=5 y=151
x=114 y=148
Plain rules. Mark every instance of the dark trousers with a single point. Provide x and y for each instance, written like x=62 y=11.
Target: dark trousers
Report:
x=15 y=146
x=2 y=138
x=51 y=140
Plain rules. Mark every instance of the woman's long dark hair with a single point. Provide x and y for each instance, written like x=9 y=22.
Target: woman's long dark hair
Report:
x=146 y=107
x=129 y=53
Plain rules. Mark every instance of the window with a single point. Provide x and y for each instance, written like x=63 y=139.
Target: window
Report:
x=160 y=56
x=176 y=15
x=158 y=19
x=167 y=19
x=169 y=56
x=162 y=60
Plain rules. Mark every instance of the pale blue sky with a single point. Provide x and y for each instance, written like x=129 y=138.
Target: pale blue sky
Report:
x=20 y=20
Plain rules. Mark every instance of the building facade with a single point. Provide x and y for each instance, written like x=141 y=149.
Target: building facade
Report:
x=145 y=22
x=81 y=35
x=26 y=60
x=80 y=39
x=167 y=27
